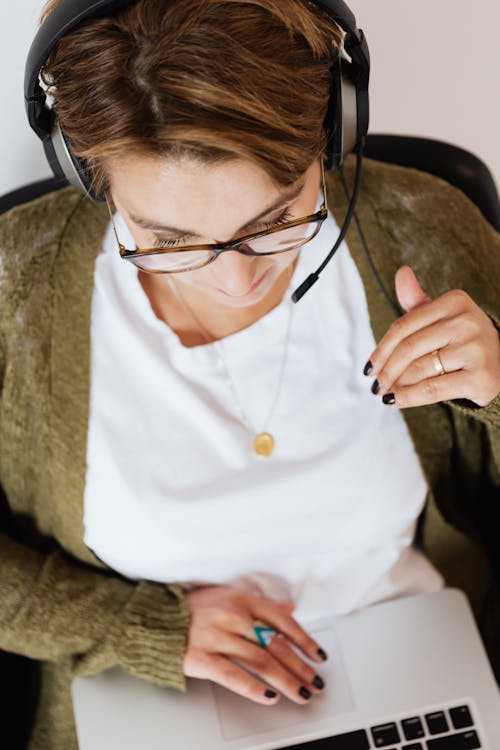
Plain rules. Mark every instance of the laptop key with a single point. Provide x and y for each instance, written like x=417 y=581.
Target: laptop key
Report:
x=412 y=728
x=462 y=741
x=413 y=746
x=436 y=722
x=357 y=740
x=385 y=734
x=460 y=717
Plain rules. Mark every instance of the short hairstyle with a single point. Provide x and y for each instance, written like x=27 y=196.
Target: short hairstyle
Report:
x=206 y=80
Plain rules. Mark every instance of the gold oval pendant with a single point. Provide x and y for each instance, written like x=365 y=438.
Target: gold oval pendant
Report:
x=263 y=444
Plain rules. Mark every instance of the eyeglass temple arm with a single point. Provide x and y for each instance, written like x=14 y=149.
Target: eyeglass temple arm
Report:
x=112 y=220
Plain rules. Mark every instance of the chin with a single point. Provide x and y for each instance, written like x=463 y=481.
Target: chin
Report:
x=247 y=300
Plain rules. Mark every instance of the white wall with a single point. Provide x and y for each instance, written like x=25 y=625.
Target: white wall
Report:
x=434 y=72
x=21 y=153
x=435 y=67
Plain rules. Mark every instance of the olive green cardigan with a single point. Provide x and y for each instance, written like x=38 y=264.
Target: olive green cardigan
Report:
x=58 y=602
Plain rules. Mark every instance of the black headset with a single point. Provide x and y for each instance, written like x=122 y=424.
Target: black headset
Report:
x=346 y=121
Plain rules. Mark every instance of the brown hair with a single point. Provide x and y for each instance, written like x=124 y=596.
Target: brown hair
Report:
x=210 y=80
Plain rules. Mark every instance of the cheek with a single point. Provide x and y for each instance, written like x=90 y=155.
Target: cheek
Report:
x=286 y=260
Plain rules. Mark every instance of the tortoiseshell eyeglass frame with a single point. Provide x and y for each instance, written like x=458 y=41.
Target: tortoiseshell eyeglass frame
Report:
x=220 y=247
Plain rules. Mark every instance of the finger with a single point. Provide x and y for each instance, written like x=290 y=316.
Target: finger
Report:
x=280 y=648
x=221 y=670
x=277 y=646
x=262 y=662
x=408 y=290
x=430 y=391
x=424 y=367
x=263 y=610
x=426 y=314
x=423 y=342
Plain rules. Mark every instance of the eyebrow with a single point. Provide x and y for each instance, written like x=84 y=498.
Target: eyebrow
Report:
x=285 y=198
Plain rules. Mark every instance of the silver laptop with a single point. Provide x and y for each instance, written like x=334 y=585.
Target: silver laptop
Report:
x=406 y=674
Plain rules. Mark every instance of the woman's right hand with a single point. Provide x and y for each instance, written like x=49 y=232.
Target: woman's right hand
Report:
x=221 y=619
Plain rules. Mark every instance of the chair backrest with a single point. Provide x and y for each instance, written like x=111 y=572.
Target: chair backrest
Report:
x=457 y=166
x=30 y=192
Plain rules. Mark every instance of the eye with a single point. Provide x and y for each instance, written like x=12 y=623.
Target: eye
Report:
x=167 y=243
x=285 y=217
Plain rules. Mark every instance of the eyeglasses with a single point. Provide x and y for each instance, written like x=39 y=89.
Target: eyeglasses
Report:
x=278 y=239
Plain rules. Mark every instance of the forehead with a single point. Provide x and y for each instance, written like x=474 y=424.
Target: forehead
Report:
x=191 y=197
x=140 y=182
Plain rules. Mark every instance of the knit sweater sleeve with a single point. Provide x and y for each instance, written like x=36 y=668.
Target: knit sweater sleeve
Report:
x=468 y=256
x=489 y=414
x=434 y=227
x=485 y=290
x=52 y=605
x=425 y=222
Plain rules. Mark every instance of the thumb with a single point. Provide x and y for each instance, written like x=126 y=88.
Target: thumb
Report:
x=409 y=292
x=285 y=604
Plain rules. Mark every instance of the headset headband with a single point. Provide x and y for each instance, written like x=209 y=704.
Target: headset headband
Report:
x=349 y=92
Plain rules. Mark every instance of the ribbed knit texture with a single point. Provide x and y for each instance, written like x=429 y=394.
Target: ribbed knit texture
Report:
x=58 y=602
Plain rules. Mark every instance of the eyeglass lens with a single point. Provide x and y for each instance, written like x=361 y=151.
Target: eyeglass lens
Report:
x=278 y=242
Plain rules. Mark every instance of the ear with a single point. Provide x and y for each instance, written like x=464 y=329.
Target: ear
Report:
x=409 y=292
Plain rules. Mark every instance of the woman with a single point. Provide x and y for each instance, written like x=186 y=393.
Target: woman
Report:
x=181 y=450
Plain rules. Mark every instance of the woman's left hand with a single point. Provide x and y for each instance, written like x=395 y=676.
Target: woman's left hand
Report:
x=467 y=342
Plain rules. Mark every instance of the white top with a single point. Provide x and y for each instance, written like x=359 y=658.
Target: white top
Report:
x=174 y=491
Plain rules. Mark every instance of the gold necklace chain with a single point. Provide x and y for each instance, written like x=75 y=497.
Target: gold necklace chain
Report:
x=263 y=442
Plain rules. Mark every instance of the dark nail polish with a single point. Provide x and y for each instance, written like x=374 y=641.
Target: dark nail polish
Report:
x=305 y=693
x=375 y=387
x=318 y=682
x=270 y=694
x=389 y=398
x=368 y=368
x=322 y=654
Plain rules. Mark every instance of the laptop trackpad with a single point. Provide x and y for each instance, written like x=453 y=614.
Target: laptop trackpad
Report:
x=240 y=717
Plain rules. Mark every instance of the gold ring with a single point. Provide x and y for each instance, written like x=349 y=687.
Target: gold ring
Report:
x=438 y=365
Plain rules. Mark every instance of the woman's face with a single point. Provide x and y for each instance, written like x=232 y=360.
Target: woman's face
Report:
x=205 y=204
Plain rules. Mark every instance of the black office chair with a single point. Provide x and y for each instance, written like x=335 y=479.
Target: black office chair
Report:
x=455 y=165
x=30 y=192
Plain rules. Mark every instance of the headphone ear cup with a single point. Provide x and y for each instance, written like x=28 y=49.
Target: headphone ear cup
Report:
x=50 y=153
x=333 y=122
x=65 y=164
x=347 y=116
x=341 y=120
x=350 y=110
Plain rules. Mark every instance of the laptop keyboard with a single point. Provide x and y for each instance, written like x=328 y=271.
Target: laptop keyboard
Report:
x=449 y=729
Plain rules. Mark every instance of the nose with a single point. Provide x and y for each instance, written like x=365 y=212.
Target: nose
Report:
x=235 y=273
